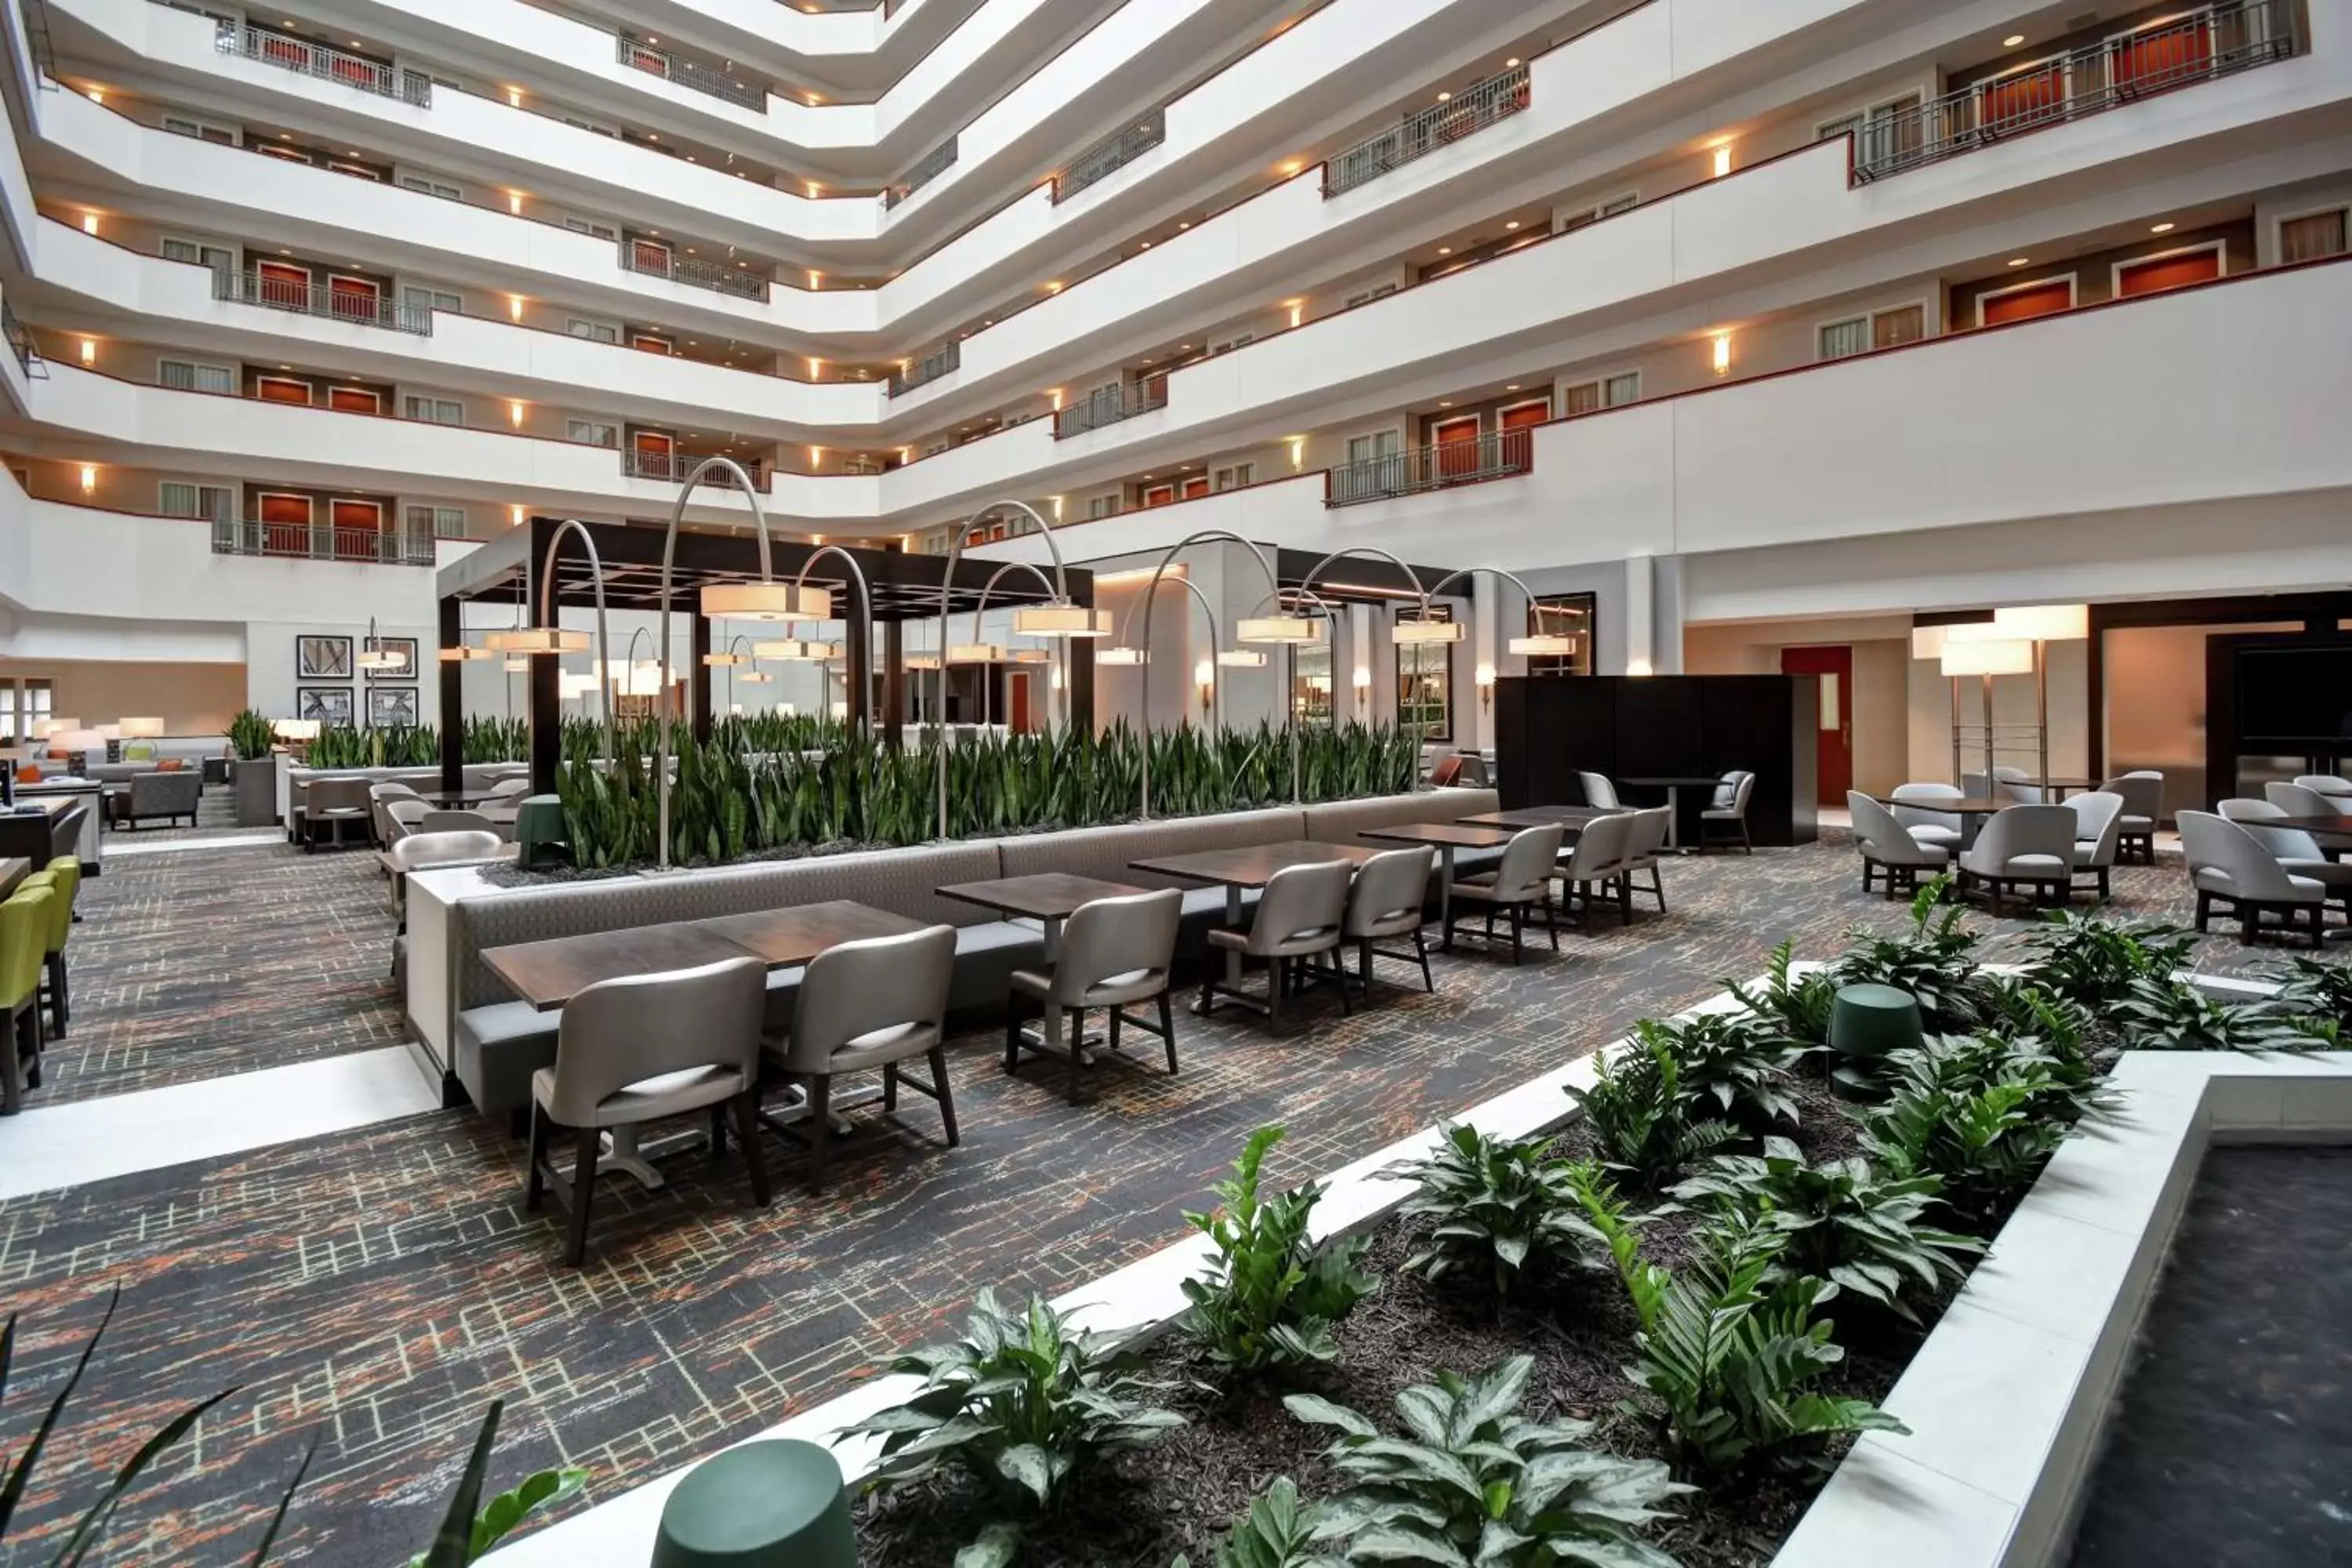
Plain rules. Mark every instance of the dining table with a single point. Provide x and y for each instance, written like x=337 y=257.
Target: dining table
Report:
x=1445 y=838
x=1571 y=818
x=1673 y=785
x=1249 y=867
x=13 y=869
x=1050 y=898
x=2333 y=832
x=1972 y=811
x=459 y=798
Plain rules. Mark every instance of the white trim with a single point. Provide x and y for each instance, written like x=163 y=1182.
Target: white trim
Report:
x=310 y=389
x=2074 y=291
x=1600 y=384
x=1906 y=97
x=1546 y=403
x=163 y=122
x=2116 y=270
x=1354 y=436
x=2341 y=206
x=1868 y=316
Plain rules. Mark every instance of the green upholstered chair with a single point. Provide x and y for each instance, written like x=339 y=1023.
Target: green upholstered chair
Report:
x=25 y=921
x=773 y=1504
x=63 y=875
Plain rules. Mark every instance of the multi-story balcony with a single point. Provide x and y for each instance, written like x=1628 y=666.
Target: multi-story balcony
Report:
x=1472 y=459
x=1111 y=154
x=314 y=59
x=1112 y=404
x=639 y=54
x=1462 y=114
x=649 y=260
x=337 y=302
x=322 y=541
x=671 y=466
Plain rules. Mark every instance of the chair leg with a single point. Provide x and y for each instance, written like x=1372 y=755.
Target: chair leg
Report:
x=2249 y=919
x=889 y=1086
x=12 y=1092
x=2204 y=910
x=719 y=1131
x=1274 y=968
x=1421 y=950
x=1012 y=1033
x=1551 y=924
x=1075 y=1022
x=1658 y=886
x=1626 y=897
x=1113 y=1030
x=32 y=1050
x=939 y=1060
x=1518 y=932
x=747 y=1134
x=534 y=1191
x=588 y=1141
x=820 y=1115
x=1168 y=1032
x=1364 y=968
x=1746 y=844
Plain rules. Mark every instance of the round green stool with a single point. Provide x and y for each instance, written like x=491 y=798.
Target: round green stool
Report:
x=776 y=1504
x=1869 y=1024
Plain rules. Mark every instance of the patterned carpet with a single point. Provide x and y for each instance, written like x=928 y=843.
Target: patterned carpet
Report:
x=381 y=1287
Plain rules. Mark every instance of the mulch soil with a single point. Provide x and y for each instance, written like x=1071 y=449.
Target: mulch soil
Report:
x=1141 y=1509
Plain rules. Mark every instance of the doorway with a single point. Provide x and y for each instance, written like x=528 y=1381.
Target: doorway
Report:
x=1834 y=729
x=1456 y=441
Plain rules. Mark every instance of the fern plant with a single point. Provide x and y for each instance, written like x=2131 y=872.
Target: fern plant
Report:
x=1639 y=1115
x=1272 y=1296
x=1844 y=1220
x=1280 y=1530
x=1023 y=1405
x=1474 y=1482
x=1801 y=1005
x=1728 y=1346
x=1934 y=961
x=2094 y=961
x=1498 y=1206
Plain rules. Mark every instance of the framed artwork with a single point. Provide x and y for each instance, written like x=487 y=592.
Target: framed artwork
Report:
x=322 y=658
x=329 y=705
x=406 y=645
x=391 y=705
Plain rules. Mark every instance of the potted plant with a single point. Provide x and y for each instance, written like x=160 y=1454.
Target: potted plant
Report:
x=254 y=775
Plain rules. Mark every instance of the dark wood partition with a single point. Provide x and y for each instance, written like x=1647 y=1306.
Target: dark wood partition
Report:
x=1550 y=729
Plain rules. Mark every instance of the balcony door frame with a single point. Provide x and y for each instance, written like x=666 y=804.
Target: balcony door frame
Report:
x=2074 y=294
x=2218 y=248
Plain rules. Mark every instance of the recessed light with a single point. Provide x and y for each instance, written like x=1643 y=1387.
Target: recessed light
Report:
x=1444 y=98
x=1513 y=225
x=1445 y=250
x=2011 y=41
x=1512 y=64
x=1513 y=386
x=2161 y=228
x=2020 y=260
x=1446 y=406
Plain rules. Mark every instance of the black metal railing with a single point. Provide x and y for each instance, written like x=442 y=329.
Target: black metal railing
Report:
x=1112 y=403
x=1496 y=454
x=20 y=343
x=930 y=368
x=653 y=261
x=688 y=73
x=372 y=307
x=673 y=467
x=928 y=167
x=1440 y=125
x=332 y=65
x=383 y=545
x=1117 y=153
x=2218 y=41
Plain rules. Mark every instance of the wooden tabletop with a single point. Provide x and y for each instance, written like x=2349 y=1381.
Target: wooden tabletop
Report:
x=13 y=870
x=1443 y=834
x=454 y=797
x=1572 y=817
x=1971 y=806
x=1254 y=864
x=1046 y=896
x=1678 y=781
x=2336 y=824
x=786 y=938
x=547 y=974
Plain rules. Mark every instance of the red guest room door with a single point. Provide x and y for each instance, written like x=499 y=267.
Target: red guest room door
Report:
x=1833 y=728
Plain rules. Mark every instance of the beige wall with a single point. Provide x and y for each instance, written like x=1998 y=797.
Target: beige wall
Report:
x=2156 y=704
x=1882 y=650
x=2013 y=710
x=191 y=699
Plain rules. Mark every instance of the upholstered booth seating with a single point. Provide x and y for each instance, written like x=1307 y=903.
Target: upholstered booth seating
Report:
x=420 y=852
x=2297 y=852
x=1115 y=954
x=2098 y=832
x=25 y=921
x=1728 y=810
x=2028 y=846
x=1891 y=850
x=1388 y=902
x=1109 y=854
x=1914 y=807
x=299 y=780
x=159 y=797
x=644 y=1049
x=2143 y=792
x=1297 y=922
x=2228 y=867
x=1520 y=885
x=1347 y=822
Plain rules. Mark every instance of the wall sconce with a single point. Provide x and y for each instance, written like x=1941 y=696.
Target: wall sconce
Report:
x=1298 y=454
x=514 y=98
x=98 y=95
x=514 y=307
x=89 y=478
x=816 y=369
x=1057 y=507
x=1361 y=680
x=816 y=278
x=514 y=203
x=1204 y=676
x=89 y=223
x=1057 y=396
x=515 y=515
x=89 y=351
x=1298 y=309
x=1723 y=353
x=1723 y=160
x=1485 y=680
x=514 y=414
x=816 y=459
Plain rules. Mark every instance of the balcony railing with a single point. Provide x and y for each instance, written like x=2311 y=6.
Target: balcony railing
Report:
x=1464 y=114
x=1111 y=405
x=929 y=167
x=2218 y=41
x=1493 y=455
x=928 y=369
x=1105 y=157
x=369 y=308
x=689 y=73
x=333 y=65
x=673 y=467
x=322 y=541
x=20 y=343
x=653 y=261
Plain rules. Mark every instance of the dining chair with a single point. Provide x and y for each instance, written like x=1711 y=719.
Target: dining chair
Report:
x=458 y=822
x=418 y=852
x=381 y=796
x=1914 y=807
x=403 y=817
x=24 y=919
x=2295 y=850
x=334 y=805
x=1890 y=848
x=1599 y=792
x=1741 y=784
x=2298 y=800
x=1645 y=842
x=2228 y=866
x=2335 y=786
x=2033 y=844
x=392 y=789
x=865 y=1005
x=2143 y=792
x=1594 y=863
x=1520 y=882
x=2098 y=834
x=1297 y=919
x=2013 y=784
x=645 y=1047
x=506 y=789
x=1115 y=952
x=1390 y=900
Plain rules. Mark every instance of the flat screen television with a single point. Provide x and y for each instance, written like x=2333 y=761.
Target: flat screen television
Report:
x=2295 y=698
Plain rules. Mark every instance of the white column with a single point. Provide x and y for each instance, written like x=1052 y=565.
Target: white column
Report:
x=1486 y=642
x=1641 y=605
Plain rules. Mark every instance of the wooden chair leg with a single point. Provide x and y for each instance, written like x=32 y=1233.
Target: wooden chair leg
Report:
x=12 y=1092
x=1012 y=1033
x=1421 y=950
x=1074 y=1024
x=820 y=1116
x=747 y=1134
x=939 y=1060
x=534 y=1192
x=2204 y=910
x=889 y=1086
x=588 y=1143
x=1168 y=1031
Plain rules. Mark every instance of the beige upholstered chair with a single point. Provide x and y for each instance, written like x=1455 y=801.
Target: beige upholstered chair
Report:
x=2334 y=787
x=1645 y=846
x=1890 y=849
x=417 y=852
x=1297 y=919
x=2143 y=792
x=1389 y=899
x=2098 y=834
x=458 y=822
x=642 y=1048
x=2298 y=800
x=1729 y=809
x=2010 y=783
x=1599 y=792
x=1915 y=808
x=334 y=807
x=1520 y=883
x=866 y=1005
x=2228 y=866
x=403 y=817
x=1115 y=953
x=2297 y=852
x=1590 y=876
x=2028 y=845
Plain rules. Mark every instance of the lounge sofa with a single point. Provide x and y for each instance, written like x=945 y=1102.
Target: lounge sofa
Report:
x=497 y=1041
x=152 y=796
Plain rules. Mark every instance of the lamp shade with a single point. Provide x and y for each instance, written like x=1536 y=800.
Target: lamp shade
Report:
x=1118 y=655
x=1029 y=655
x=1409 y=630
x=766 y=602
x=756 y=677
x=1544 y=645
x=2045 y=623
x=797 y=650
x=1062 y=621
x=538 y=639
x=975 y=653
x=465 y=655
x=141 y=729
x=922 y=661
x=381 y=659
x=1242 y=658
x=296 y=729
x=1279 y=629
x=1991 y=656
x=722 y=660
x=517 y=664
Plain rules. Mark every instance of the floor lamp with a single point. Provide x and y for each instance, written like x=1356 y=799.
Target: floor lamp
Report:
x=2042 y=624
x=1983 y=658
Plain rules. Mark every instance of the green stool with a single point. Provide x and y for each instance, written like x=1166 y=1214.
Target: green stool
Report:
x=1867 y=1024
x=774 y=1504
x=540 y=833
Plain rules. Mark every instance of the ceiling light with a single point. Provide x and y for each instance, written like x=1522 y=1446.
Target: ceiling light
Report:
x=1279 y=629
x=2161 y=228
x=538 y=639
x=1062 y=621
x=1445 y=250
x=1444 y=97
x=1512 y=64
x=2011 y=41
x=766 y=602
x=2020 y=261
x=1512 y=226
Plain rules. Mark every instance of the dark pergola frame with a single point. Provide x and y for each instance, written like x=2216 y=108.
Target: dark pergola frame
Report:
x=905 y=588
